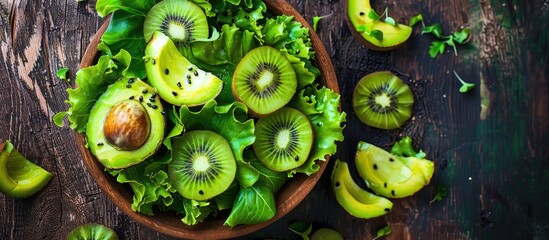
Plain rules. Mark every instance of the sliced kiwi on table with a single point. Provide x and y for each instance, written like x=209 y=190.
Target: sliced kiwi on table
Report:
x=283 y=139
x=203 y=165
x=182 y=21
x=382 y=100
x=264 y=80
x=92 y=231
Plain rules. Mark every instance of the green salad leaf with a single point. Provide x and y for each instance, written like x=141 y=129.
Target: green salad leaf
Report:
x=321 y=105
x=226 y=199
x=62 y=74
x=404 y=148
x=91 y=82
x=267 y=178
x=125 y=31
x=230 y=121
x=104 y=7
x=253 y=205
x=195 y=211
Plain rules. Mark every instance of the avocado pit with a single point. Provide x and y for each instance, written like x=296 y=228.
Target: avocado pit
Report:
x=127 y=125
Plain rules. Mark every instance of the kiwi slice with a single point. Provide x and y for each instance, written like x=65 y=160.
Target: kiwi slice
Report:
x=202 y=166
x=92 y=231
x=182 y=21
x=264 y=80
x=283 y=139
x=382 y=100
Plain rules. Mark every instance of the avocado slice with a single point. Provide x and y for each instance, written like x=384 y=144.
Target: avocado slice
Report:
x=393 y=36
x=126 y=124
x=19 y=177
x=389 y=175
x=355 y=200
x=177 y=80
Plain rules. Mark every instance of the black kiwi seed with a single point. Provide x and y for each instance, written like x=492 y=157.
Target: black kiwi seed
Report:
x=361 y=13
x=201 y=192
x=179 y=84
x=189 y=81
x=174 y=93
x=196 y=73
x=188 y=76
x=166 y=71
x=190 y=68
x=145 y=91
x=141 y=98
x=153 y=62
x=152 y=99
x=130 y=80
x=132 y=97
x=385 y=185
x=391 y=160
x=375 y=166
x=128 y=85
x=393 y=193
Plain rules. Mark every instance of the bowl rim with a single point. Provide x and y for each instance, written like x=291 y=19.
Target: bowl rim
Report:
x=287 y=198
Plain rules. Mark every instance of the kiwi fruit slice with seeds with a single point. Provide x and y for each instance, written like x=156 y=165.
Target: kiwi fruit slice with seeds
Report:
x=92 y=231
x=182 y=21
x=203 y=165
x=264 y=80
x=382 y=100
x=283 y=139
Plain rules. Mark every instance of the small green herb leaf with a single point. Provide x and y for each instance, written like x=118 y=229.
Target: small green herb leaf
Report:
x=435 y=29
x=384 y=231
x=437 y=47
x=62 y=74
x=441 y=193
x=461 y=36
x=465 y=86
x=391 y=21
x=416 y=19
x=450 y=42
x=301 y=228
x=361 y=28
x=377 y=34
x=317 y=19
x=372 y=14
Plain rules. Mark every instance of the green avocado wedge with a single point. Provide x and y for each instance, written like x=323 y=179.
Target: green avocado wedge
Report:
x=19 y=177
x=389 y=175
x=393 y=35
x=177 y=80
x=126 y=124
x=355 y=200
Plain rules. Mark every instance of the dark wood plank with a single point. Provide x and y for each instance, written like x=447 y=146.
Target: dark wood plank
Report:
x=490 y=145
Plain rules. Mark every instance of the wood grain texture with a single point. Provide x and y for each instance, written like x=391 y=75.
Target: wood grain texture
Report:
x=490 y=145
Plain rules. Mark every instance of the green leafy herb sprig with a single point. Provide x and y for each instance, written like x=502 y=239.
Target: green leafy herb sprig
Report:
x=438 y=46
x=441 y=193
x=372 y=14
x=465 y=86
x=316 y=20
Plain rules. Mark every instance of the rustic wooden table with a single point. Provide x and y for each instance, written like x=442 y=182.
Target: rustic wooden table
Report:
x=491 y=145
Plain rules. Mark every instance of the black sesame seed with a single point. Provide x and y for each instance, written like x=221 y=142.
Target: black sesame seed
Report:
x=361 y=13
x=141 y=98
x=145 y=91
x=201 y=192
x=166 y=71
x=393 y=192
x=195 y=73
x=132 y=97
x=100 y=144
x=128 y=85
x=387 y=210
x=174 y=93
x=375 y=166
x=337 y=184
x=153 y=62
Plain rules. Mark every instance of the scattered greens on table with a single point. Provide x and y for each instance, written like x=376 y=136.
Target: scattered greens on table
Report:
x=241 y=25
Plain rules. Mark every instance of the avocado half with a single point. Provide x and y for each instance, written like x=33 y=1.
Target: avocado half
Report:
x=355 y=200
x=177 y=80
x=126 y=124
x=389 y=175
x=393 y=36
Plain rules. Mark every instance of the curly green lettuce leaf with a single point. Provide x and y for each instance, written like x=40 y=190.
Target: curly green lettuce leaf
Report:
x=230 y=121
x=404 y=148
x=150 y=184
x=253 y=205
x=229 y=48
x=245 y=19
x=195 y=211
x=125 y=31
x=91 y=82
x=267 y=178
x=104 y=7
x=321 y=105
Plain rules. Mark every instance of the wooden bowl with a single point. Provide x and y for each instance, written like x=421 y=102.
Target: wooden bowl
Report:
x=287 y=198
